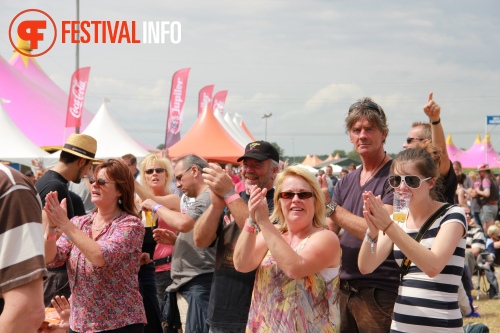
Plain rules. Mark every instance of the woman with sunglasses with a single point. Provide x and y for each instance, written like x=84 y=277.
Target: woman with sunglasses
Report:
x=102 y=251
x=297 y=279
x=427 y=296
x=154 y=277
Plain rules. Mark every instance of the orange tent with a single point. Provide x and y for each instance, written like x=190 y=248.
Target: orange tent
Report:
x=208 y=139
x=312 y=160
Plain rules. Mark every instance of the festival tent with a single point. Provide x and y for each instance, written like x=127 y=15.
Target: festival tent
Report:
x=220 y=118
x=452 y=150
x=313 y=160
x=243 y=137
x=14 y=145
x=479 y=153
x=38 y=106
x=112 y=140
x=208 y=138
x=245 y=128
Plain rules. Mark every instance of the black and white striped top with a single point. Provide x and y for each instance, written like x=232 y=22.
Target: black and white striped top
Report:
x=427 y=304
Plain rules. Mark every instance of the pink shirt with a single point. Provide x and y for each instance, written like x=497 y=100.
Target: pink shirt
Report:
x=107 y=297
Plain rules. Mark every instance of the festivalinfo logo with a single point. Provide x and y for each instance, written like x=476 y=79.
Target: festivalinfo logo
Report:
x=41 y=31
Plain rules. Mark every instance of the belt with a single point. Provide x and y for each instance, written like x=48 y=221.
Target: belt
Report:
x=162 y=261
x=345 y=286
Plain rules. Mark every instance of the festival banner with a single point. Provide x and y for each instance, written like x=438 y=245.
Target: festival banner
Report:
x=76 y=97
x=176 y=107
x=205 y=99
x=219 y=101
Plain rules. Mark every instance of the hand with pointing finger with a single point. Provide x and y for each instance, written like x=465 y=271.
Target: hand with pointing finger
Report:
x=432 y=109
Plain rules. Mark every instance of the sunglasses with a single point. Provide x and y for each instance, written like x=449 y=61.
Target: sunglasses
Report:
x=410 y=140
x=150 y=171
x=413 y=182
x=373 y=106
x=179 y=177
x=291 y=195
x=102 y=182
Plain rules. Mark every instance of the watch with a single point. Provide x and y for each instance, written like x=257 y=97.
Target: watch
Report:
x=330 y=208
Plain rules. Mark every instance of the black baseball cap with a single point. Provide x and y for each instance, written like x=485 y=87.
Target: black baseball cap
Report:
x=260 y=150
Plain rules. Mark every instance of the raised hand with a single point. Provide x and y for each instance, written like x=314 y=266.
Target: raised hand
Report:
x=432 y=109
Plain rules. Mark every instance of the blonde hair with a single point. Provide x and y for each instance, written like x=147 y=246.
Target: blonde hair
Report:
x=319 y=219
x=162 y=162
x=494 y=230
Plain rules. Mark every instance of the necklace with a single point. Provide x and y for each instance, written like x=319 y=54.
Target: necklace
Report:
x=105 y=224
x=376 y=169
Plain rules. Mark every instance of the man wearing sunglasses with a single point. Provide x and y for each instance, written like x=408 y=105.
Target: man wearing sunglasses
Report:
x=422 y=134
x=192 y=268
x=366 y=301
x=223 y=222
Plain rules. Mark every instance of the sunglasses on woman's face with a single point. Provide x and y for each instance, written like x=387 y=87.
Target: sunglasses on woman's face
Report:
x=291 y=195
x=411 y=181
x=150 y=171
x=102 y=182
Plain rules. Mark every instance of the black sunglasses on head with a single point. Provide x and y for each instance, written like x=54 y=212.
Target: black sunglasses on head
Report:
x=291 y=195
x=102 y=182
x=150 y=171
x=411 y=181
x=373 y=106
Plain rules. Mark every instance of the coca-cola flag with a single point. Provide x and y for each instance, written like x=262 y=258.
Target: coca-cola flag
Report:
x=76 y=97
x=176 y=107
x=219 y=101
x=205 y=99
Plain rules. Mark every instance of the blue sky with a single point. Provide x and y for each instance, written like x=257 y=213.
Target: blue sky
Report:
x=306 y=62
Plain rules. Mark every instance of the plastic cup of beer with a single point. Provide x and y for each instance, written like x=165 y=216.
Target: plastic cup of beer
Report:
x=149 y=219
x=401 y=206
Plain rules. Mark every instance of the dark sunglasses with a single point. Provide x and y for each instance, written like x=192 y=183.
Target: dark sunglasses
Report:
x=150 y=171
x=102 y=182
x=370 y=105
x=291 y=195
x=410 y=140
x=410 y=181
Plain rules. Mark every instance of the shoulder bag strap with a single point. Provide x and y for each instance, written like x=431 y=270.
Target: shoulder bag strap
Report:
x=405 y=266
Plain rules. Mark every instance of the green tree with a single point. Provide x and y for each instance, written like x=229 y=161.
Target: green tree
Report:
x=353 y=155
x=280 y=150
x=341 y=153
x=160 y=146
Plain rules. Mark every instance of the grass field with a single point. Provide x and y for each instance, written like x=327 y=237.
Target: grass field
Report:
x=489 y=309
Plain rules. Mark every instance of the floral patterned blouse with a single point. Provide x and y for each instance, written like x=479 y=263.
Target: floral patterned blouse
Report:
x=282 y=305
x=107 y=297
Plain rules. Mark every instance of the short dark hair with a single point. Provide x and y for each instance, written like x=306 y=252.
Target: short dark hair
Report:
x=191 y=159
x=130 y=158
x=68 y=158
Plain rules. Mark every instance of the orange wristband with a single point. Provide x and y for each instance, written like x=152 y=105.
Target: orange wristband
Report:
x=231 y=198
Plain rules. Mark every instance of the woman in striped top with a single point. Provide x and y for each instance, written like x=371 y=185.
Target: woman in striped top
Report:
x=427 y=296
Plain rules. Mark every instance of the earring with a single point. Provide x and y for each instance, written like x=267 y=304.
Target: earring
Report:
x=119 y=201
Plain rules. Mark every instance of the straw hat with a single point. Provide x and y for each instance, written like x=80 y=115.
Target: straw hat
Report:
x=81 y=145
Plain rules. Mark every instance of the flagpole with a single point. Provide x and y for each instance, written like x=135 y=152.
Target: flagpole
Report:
x=77 y=129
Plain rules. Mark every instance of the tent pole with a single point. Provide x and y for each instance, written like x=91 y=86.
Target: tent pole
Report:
x=77 y=129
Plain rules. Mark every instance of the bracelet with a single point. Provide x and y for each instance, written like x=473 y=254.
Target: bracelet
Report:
x=249 y=228
x=156 y=207
x=387 y=227
x=436 y=122
x=253 y=224
x=52 y=228
x=228 y=194
x=372 y=242
x=231 y=198
x=52 y=237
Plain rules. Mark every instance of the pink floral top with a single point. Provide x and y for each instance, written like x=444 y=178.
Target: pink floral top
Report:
x=104 y=298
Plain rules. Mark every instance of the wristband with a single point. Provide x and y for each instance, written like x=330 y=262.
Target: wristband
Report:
x=52 y=228
x=249 y=228
x=387 y=227
x=52 y=237
x=156 y=207
x=231 y=198
x=436 y=122
x=372 y=242
x=228 y=194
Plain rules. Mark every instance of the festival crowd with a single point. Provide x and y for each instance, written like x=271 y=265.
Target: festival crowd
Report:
x=183 y=245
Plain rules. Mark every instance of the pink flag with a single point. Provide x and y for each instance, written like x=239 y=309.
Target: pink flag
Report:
x=219 y=101
x=205 y=99
x=176 y=107
x=76 y=97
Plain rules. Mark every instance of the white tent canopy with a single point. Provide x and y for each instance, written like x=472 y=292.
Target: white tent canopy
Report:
x=229 y=129
x=112 y=140
x=14 y=145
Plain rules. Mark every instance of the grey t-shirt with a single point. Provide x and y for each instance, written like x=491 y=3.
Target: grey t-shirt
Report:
x=189 y=261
